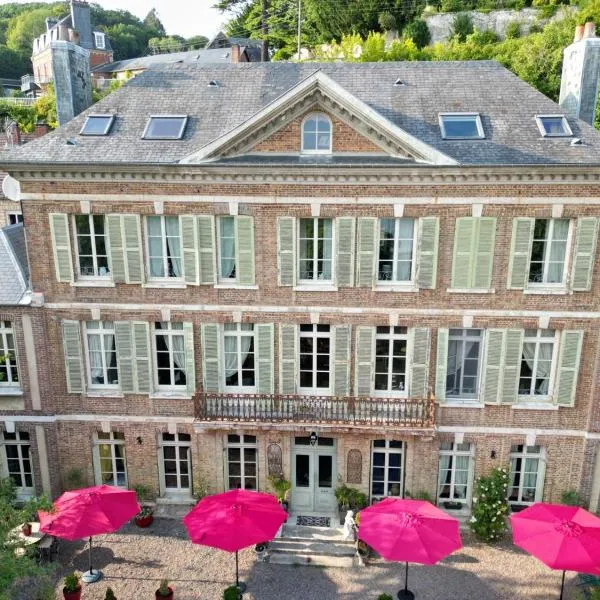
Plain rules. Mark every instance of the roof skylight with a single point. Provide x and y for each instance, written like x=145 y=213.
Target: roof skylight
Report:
x=97 y=125
x=165 y=127
x=461 y=126
x=553 y=126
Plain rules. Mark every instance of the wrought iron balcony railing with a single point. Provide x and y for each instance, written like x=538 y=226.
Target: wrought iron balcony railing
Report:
x=261 y=408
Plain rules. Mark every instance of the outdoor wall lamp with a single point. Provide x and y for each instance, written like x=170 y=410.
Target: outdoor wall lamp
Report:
x=313 y=438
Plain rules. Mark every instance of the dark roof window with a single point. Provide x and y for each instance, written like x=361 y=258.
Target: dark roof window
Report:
x=165 y=127
x=97 y=125
x=461 y=126
x=553 y=126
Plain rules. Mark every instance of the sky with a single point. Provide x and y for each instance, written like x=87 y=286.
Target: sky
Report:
x=182 y=17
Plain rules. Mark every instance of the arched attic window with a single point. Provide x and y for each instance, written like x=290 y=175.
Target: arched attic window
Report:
x=316 y=134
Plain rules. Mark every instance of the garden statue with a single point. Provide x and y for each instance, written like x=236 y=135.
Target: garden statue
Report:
x=350 y=527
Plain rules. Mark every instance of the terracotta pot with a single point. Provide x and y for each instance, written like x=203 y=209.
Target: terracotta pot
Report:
x=159 y=596
x=26 y=529
x=144 y=521
x=76 y=595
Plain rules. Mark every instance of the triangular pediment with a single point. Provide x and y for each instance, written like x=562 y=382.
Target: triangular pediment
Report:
x=319 y=92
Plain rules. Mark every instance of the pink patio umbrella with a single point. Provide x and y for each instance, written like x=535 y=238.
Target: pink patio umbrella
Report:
x=566 y=538
x=235 y=520
x=89 y=511
x=409 y=531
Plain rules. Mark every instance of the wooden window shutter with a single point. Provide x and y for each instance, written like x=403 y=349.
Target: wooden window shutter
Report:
x=367 y=251
x=73 y=356
x=61 y=247
x=365 y=360
x=568 y=366
x=345 y=251
x=483 y=253
x=492 y=366
x=211 y=334
x=132 y=238
x=141 y=355
x=286 y=250
x=189 y=248
x=585 y=253
x=341 y=367
x=115 y=248
x=511 y=366
x=462 y=259
x=288 y=352
x=124 y=345
x=427 y=252
x=190 y=359
x=264 y=338
x=244 y=250
x=206 y=250
x=520 y=252
x=419 y=367
x=441 y=364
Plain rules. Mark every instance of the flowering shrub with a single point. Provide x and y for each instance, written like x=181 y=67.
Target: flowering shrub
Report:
x=490 y=506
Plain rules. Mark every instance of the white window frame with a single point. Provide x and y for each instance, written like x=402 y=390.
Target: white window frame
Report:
x=525 y=454
x=178 y=136
x=111 y=442
x=451 y=115
x=242 y=445
x=314 y=334
x=238 y=333
x=170 y=332
x=413 y=262
x=99 y=40
x=103 y=330
x=391 y=336
x=567 y=128
x=318 y=116
x=176 y=443
x=92 y=235
x=111 y=120
x=315 y=241
x=219 y=249
x=24 y=491
x=454 y=452
x=11 y=360
x=387 y=451
x=548 y=242
x=164 y=249
x=537 y=339
x=463 y=339
x=14 y=215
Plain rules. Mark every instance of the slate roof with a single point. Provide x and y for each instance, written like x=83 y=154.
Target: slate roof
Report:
x=507 y=106
x=14 y=272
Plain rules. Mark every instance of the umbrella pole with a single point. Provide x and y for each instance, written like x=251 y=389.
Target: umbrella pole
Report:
x=90 y=576
x=405 y=594
x=562 y=586
x=240 y=585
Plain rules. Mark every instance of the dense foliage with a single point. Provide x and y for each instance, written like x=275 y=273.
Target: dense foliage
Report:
x=42 y=110
x=490 y=506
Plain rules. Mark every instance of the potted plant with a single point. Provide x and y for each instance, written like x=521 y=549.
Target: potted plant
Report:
x=145 y=517
x=26 y=529
x=164 y=591
x=109 y=595
x=282 y=488
x=232 y=593
x=342 y=495
x=72 y=587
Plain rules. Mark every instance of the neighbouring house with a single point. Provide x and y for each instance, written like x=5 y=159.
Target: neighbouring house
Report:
x=222 y=40
x=383 y=274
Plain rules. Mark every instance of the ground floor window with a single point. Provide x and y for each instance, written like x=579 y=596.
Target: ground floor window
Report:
x=109 y=459
x=386 y=468
x=526 y=474
x=455 y=474
x=242 y=464
x=16 y=457
x=176 y=462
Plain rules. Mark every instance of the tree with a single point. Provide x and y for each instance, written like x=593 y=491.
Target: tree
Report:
x=12 y=63
x=196 y=42
x=418 y=32
x=25 y=27
x=151 y=21
x=462 y=26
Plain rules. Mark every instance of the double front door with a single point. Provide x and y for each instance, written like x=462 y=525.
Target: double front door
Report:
x=313 y=475
x=175 y=462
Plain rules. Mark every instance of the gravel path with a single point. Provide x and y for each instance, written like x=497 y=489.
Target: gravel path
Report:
x=134 y=560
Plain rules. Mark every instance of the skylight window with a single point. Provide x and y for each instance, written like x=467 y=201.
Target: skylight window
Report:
x=461 y=126
x=553 y=126
x=97 y=125
x=165 y=127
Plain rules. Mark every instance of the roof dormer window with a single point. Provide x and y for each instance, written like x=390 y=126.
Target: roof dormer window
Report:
x=461 y=126
x=553 y=126
x=99 y=40
x=165 y=127
x=97 y=125
x=316 y=134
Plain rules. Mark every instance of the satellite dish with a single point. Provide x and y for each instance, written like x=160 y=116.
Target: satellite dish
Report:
x=11 y=188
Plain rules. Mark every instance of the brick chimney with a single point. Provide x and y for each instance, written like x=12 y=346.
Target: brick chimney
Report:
x=13 y=135
x=581 y=69
x=235 y=53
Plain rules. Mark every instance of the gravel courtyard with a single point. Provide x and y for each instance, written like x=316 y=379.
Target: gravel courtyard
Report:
x=134 y=560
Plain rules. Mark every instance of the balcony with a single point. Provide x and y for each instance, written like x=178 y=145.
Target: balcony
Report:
x=218 y=411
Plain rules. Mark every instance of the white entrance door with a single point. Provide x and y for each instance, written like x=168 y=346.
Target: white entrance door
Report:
x=313 y=475
x=176 y=465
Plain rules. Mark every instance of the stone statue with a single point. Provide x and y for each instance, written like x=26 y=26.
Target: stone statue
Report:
x=349 y=527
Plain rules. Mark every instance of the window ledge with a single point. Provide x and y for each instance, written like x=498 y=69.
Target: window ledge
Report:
x=471 y=291
x=234 y=286
x=92 y=283
x=560 y=291
x=309 y=287
x=170 y=396
x=461 y=404
x=534 y=406
x=178 y=285
x=105 y=394
x=11 y=391
x=396 y=288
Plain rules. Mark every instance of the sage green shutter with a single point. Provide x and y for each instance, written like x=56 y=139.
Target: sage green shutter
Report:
x=427 y=252
x=61 y=247
x=286 y=255
x=585 y=253
x=419 y=363
x=483 y=259
x=189 y=248
x=141 y=356
x=206 y=250
x=190 y=359
x=115 y=248
x=492 y=366
x=520 y=252
x=462 y=260
x=568 y=366
x=341 y=365
x=345 y=251
x=211 y=338
x=288 y=344
x=511 y=367
x=124 y=345
x=73 y=356
x=132 y=238
x=244 y=250
x=365 y=360
x=367 y=251
x=441 y=364
x=264 y=344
